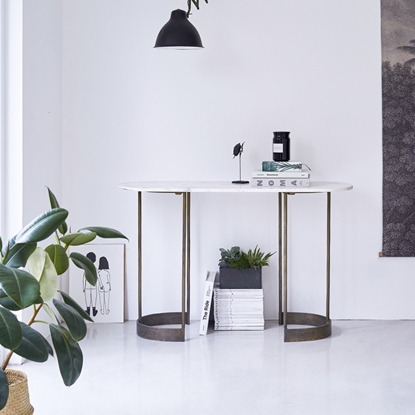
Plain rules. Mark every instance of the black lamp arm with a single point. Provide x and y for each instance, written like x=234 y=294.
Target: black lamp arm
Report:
x=189 y=5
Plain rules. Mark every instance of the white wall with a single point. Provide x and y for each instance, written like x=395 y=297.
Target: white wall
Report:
x=131 y=112
x=32 y=121
x=12 y=162
x=42 y=103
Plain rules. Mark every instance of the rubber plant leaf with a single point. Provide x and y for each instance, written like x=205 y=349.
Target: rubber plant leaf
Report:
x=7 y=247
x=42 y=227
x=54 y=204
x=4 y=389
x=68 y=353
x=49 y=347
x=78 y=238
x=33 y=346
x=81 y=261
x=70 y=301
x=10 y=330
x=51 y=313
x=22 y=287
x=19 y=254
x=74 y=322
x=59 y=258
x=41 y=267
x=104 y=232
x=7 y=302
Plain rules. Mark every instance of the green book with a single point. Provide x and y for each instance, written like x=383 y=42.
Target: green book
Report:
x=282 y=166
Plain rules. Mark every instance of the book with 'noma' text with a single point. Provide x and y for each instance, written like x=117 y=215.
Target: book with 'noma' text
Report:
x=277 y=182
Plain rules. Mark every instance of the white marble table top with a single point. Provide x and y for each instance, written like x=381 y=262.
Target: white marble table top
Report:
x=229 y=187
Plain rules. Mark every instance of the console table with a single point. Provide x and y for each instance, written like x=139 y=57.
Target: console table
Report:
x=151 y=326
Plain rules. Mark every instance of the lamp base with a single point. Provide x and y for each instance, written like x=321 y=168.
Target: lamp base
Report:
x=240 y=182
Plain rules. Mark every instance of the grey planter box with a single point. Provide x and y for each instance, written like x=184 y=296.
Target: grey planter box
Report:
x=240 y=278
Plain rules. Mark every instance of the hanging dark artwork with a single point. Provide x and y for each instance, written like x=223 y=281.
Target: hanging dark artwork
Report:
x=398 y=93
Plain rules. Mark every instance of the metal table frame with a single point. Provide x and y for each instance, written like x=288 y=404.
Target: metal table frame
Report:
x=151 y=326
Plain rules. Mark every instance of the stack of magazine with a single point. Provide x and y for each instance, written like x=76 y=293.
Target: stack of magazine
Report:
x=238 y=309
x=281 y=174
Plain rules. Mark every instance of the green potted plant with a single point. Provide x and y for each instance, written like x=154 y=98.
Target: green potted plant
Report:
x=36 y=288
x=239 y=269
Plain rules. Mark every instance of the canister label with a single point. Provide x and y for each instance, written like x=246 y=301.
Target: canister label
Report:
x=278 y=147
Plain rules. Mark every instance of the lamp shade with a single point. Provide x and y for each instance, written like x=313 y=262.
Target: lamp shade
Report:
x=178 y=33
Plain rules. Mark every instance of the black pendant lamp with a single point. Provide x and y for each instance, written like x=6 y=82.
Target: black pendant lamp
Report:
x=178 y=32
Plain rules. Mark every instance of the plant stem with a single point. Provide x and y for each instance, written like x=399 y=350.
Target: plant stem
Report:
x=58 y=242
x=30 y=322
x=35 y=313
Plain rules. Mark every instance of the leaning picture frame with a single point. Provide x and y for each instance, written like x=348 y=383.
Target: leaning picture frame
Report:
x=104 y=302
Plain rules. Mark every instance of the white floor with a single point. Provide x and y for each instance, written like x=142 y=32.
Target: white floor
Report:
x=366 y=367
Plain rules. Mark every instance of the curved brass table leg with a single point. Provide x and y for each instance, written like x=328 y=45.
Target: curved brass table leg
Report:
x=148 y=326
x=321 y=329
x=320 y=325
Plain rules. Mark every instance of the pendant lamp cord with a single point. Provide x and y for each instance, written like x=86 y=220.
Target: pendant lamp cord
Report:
x=189 y=5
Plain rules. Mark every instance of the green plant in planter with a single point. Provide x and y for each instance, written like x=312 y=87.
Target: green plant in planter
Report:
x=239 y=269
x=37 y=286
x=235 y=258
x=230 y=255
x=257 y=259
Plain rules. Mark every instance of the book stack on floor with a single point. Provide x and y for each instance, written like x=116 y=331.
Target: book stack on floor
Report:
x=238 y=309
x=281 y=174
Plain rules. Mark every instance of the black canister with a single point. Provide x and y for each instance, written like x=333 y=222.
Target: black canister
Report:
x=281 y=146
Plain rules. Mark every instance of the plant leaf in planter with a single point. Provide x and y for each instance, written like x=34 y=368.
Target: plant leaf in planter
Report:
x=59 y=258
x=54 y=204
x=68 y=352
x=50 y=348
x=41 y=267
x=76 y=324
x=4 y=389
x=104 y=232
x=257 y=258
x=33 y=346
x=50 y=312
x=70 y=301
x=229 y=255
x=78 y=238
x=19 y=254
x=10 y=330
x=81 y=261
x=42 y=227
x=6 y=248
x=241 y=262
x=7 y=302
x=19 y=285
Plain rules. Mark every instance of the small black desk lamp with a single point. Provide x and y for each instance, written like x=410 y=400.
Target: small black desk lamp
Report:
x=237 y=151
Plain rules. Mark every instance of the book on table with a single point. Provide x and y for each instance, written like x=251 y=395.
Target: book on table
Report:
x=282 y=166
x=278 y=182
x=207 y=302
x=298 y=174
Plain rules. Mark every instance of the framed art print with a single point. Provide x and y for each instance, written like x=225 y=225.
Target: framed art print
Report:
x=104 y=302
